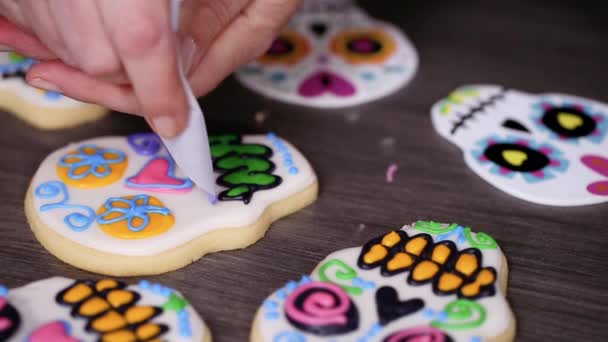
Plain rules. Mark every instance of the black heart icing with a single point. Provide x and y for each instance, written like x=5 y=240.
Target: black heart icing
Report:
x=390 y=308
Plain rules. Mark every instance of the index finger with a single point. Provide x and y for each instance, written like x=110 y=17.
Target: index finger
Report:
x=146 y=47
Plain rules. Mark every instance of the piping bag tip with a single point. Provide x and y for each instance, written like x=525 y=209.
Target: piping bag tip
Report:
x=190 y=149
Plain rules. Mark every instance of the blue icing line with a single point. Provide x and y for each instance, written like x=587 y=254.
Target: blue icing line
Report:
x=52 y=95
x=132 y=211
x=75 y=221
x=271 y=315
x=289 y=336
x=3 y=291
x=292 y=285
x=293 y=170
x=442 y=316
x=269 y=304
x=475 y=339
x=94 y=161
x=428 y=313
x=144 y=284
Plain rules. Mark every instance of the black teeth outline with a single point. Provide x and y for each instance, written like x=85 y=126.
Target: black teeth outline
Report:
x=463 y=118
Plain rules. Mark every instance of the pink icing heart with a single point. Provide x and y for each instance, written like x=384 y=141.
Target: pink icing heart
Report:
x=325 y=81
x=158 y=175
x=55 y=331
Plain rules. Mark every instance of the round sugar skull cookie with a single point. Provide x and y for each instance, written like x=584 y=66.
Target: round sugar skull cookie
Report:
x=425 y=282
x=550 y=148
x=120 y=206
x=40 y=108
x=333 y=57
x=64 y=310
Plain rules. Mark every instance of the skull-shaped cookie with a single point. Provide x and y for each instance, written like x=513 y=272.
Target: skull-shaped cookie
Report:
x=41 y=108
x=425 y=282
x=550 y=148
x=63 y=310
x=333 y=56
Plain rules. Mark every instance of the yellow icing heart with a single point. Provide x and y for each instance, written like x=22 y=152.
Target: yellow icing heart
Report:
x=568 y=120
x=515 y=157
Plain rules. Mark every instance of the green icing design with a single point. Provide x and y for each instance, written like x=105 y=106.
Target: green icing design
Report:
x=480 y=240
x=245 y=168
x=434 y=228
x=461 y=314
x=456 y=98
x=14 y=57
x=342 y=273
x=175 y=303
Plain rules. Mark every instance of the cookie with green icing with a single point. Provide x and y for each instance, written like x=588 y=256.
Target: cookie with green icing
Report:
x=425 y=282
x=121 y=206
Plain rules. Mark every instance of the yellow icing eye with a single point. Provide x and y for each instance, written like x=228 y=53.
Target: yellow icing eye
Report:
x=514 y=157
x=138 y=314
x=91 y=166
x=93 y=307
x=484 y=277
x=118 y=298
x=119 y=336
x=363 y=46
x=391 y=239
x=449 y=282
x=466 y=264
x=109 y=321
x=106 y=284
x=375 y=254
x=77 y=293
x=134 y=217
x=424 y=271
x=441 y=253
x=416 y=245
x=289 y=48
x=399 y=261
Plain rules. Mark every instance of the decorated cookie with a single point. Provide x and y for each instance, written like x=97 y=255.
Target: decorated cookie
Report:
x=426 y=282
x=550 y=148
x=65 y=310
x=40 y=108
x=333 y=56
x=120 y=206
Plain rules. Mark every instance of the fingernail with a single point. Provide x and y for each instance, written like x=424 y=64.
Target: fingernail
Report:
x=188 y=49
x=165 y=126
x=43 y=84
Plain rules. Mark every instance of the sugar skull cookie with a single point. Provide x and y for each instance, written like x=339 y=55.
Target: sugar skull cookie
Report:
x=39 y=108
x=333 y=56
x=425 y=282
x=65 y=310
x=549 y=148
x=120 y=206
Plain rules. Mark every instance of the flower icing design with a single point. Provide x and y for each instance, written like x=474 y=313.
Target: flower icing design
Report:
x=91 y=160
x=135 y=211
x=510 y=156
x=570 y=122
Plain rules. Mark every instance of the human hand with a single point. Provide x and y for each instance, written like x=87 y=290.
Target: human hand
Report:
x=122 y=54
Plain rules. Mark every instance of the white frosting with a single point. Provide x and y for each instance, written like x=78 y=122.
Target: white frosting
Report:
x=37 y=306
x=19 y=88
x=566 y=187
x=194 y=214
x=498 y=313
x=384 y=81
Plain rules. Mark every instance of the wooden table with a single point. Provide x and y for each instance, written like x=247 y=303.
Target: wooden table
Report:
x=557 y=256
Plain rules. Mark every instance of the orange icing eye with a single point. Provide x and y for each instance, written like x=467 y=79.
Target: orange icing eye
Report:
x=399 y=261
x=118 y=298
x=466 y=264
x=119 y=336
x=449 y=282
x=109 y=321
x=93 y=307
x=134 y=217
x=147 y=331
x=484 y=277
x=416 y=245
x=77 y=293
x=391 y=239
x=424 y=270
x=375 y=254
x=91 y=166
x=289 y=48
x=363 y=46
x=138 y=314
x=106 y=284
x=441 y=253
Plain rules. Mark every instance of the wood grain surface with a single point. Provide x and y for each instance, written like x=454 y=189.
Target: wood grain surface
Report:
x=557 y=256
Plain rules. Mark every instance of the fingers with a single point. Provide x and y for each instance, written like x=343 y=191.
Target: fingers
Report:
x=146 y=48
x=14 y=38
x=57 y=76
x=91 y=48
x=247 y=37
x=37 y=13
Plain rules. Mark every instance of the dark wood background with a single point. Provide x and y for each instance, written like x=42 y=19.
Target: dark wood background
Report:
x=557 y=256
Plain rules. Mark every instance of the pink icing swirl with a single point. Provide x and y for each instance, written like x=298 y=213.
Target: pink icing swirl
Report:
x=417 y=334
x=318 y=304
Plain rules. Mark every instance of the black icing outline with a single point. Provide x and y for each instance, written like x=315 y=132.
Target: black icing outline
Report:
x=474 y=111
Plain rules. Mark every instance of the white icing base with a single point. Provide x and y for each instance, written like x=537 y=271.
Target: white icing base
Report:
x=383 y=84
x=194 y=214
x=37 y=306
x=498 y=313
